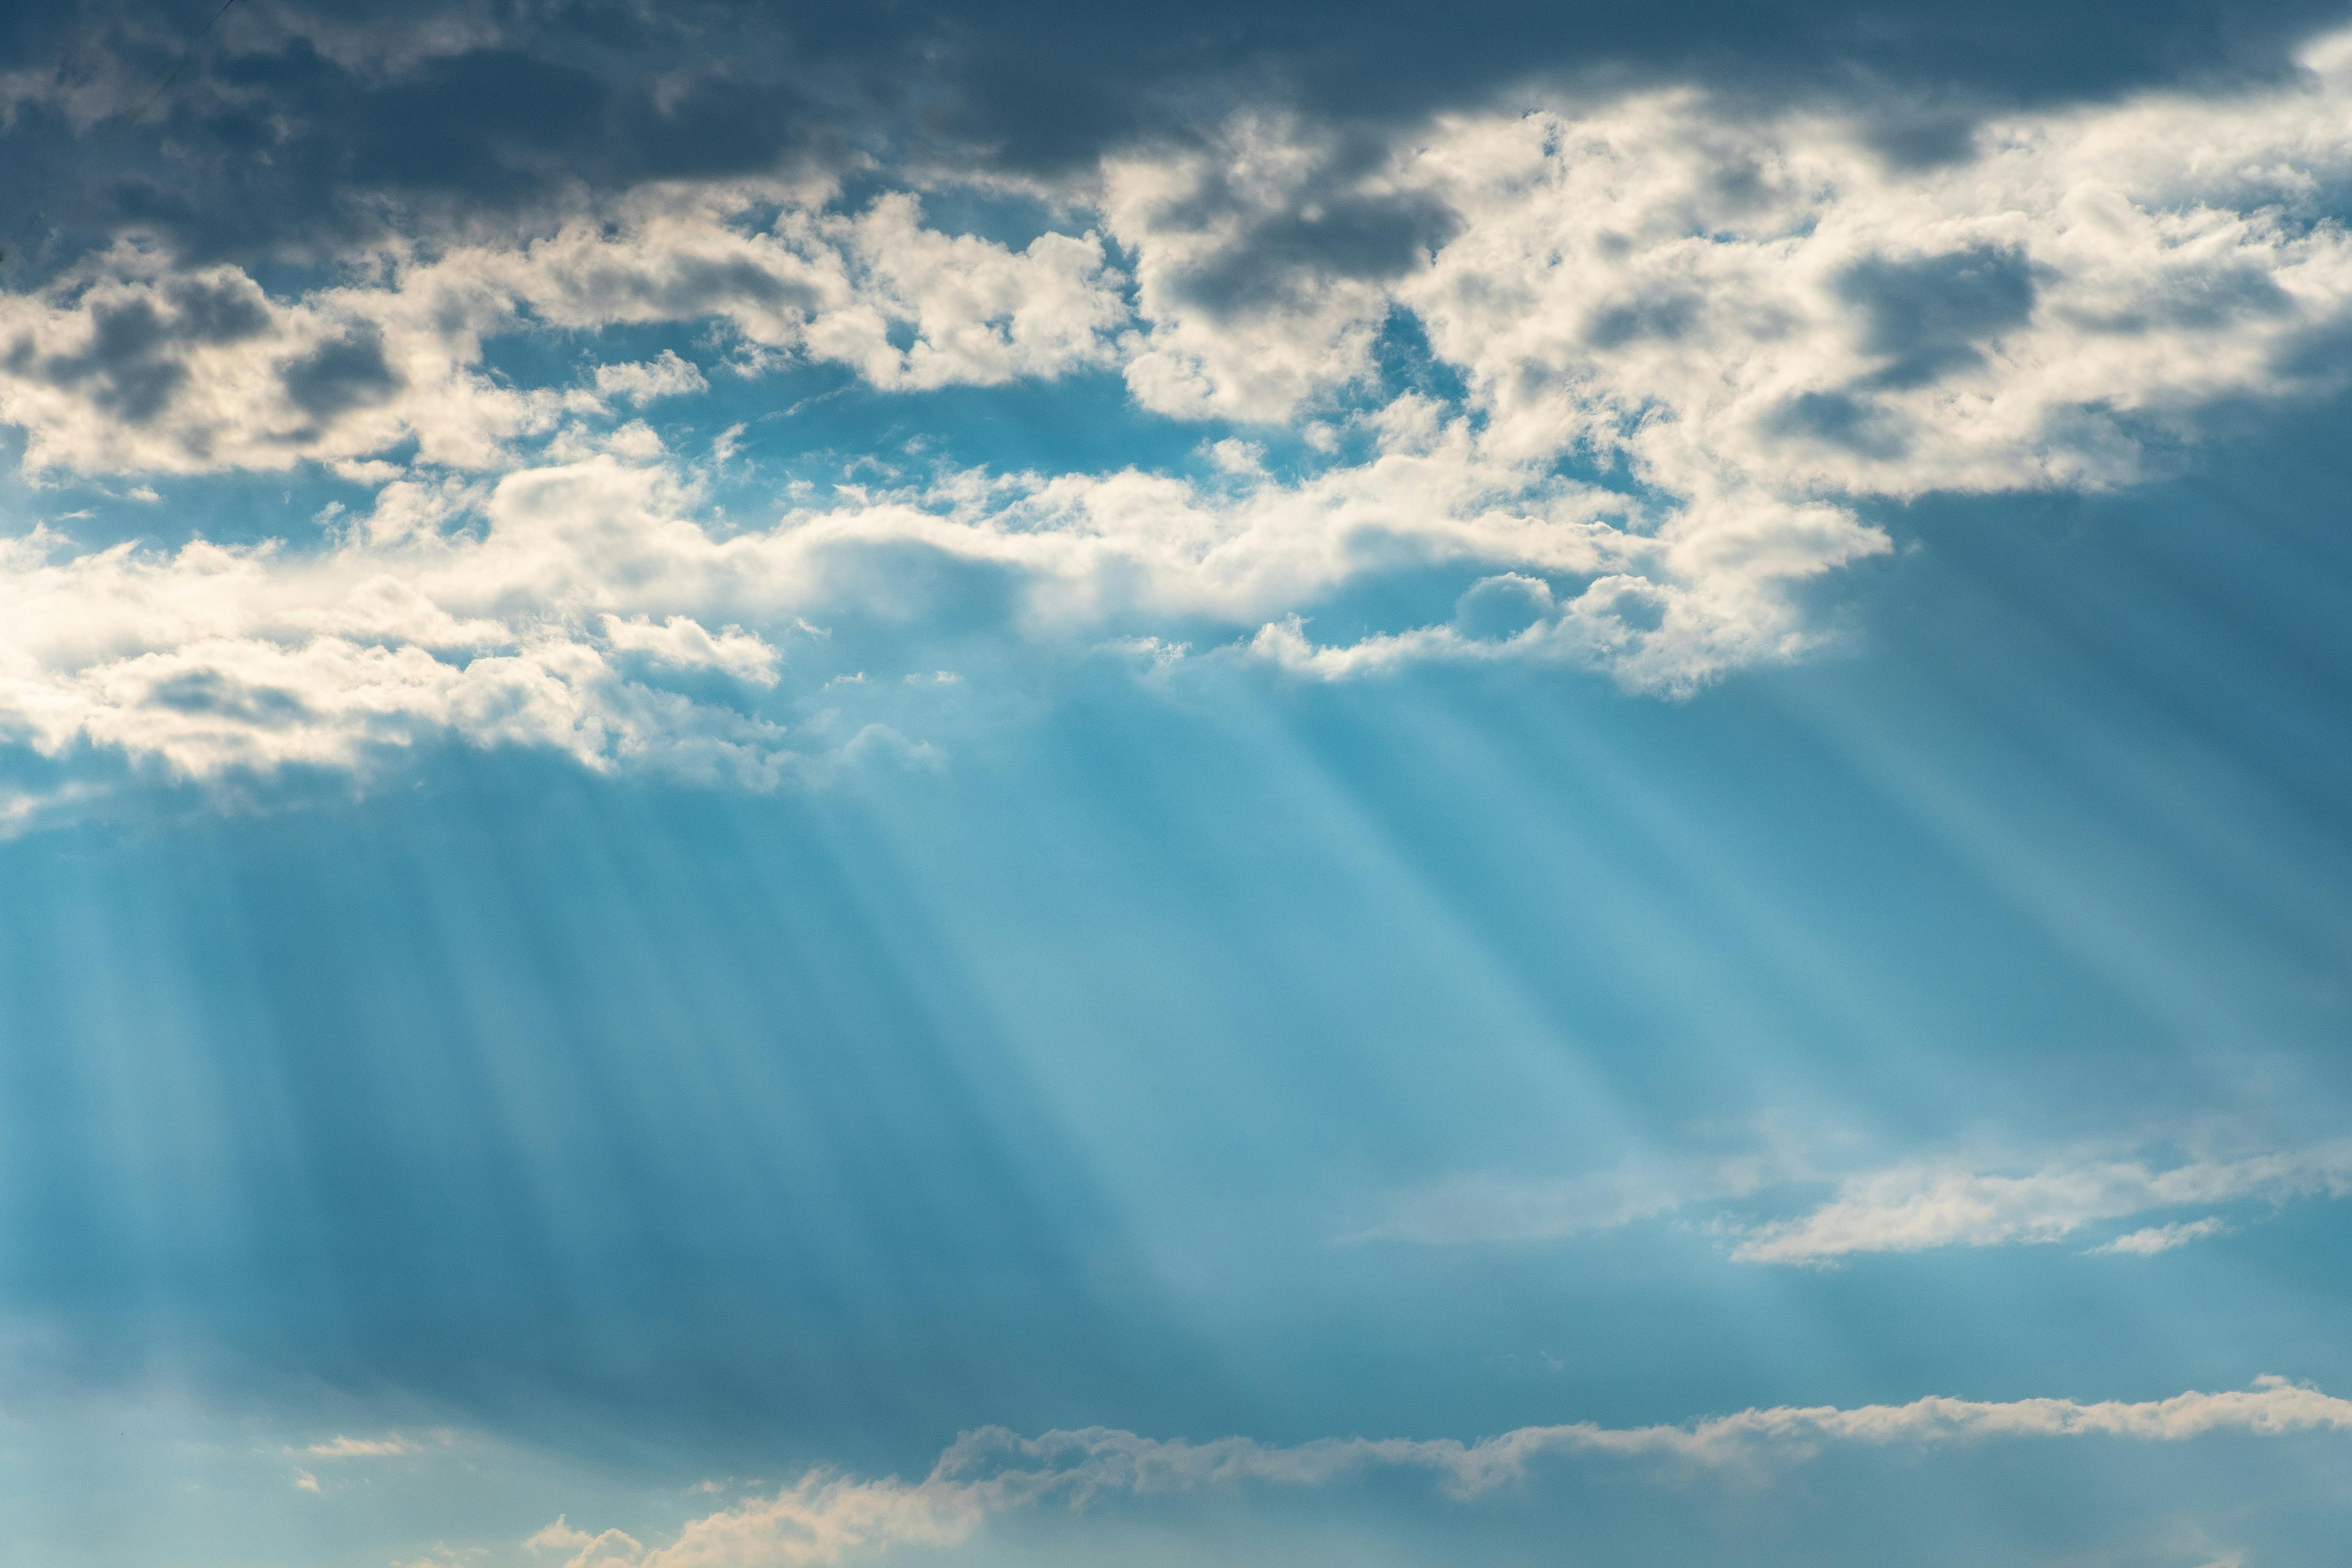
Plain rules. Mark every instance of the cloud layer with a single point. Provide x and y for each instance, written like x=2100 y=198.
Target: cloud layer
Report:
x=1632 y=371
x=827 y=1518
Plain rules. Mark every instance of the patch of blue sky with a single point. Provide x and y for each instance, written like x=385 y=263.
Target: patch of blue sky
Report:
x=234 y=508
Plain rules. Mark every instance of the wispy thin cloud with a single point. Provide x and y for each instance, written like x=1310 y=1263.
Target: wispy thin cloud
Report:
x=1475 y=1207
x=2158 y=1238
x=392 y=1445
x=1912 y=1207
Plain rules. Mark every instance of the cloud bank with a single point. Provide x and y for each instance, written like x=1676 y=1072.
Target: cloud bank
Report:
x=826 y=1517
x=1635 y=370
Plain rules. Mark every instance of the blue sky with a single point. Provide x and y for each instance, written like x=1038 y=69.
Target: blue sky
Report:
x=1360 y=795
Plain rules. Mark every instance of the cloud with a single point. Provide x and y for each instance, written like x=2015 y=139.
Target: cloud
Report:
x=1914 y=1207
x=392 y=1445
x=546 y=610
x=1633 y=370
x=665 y=376
x=1265 y=263
x=1909 y=1208
x=290 y=128
x=123 y=363
x=2156 y=1239
x=826 y=1517
x=683 y=644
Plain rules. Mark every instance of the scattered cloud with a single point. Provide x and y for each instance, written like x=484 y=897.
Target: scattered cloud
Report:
x=666 y=376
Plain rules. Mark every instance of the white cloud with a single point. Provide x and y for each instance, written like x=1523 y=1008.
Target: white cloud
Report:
x=213 y=659
x=1911 y=1207
x=392 y=1445
x=125 y=364
x=1244 y=276
x=1952 y=1201
x=2156 y=1239
x=681 y=641
x=642 y=382
x=827 y=1518
x=1757 y=323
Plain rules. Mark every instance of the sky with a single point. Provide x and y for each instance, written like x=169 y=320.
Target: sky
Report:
x=1004 y=786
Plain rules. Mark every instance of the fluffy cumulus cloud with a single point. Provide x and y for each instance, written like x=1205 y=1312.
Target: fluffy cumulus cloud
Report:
x=1633 y=369
x=828 y=1518
x=127 y=363
x=211 y=659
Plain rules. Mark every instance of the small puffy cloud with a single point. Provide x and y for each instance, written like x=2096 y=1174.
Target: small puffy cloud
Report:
x=609 y=1549
x=643 y=381
x=681 y=642
x=2152 y=1239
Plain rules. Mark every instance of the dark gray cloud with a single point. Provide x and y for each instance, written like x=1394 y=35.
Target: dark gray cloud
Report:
x=1321 y=234
x=341 y=373
x=1046 y=82
x=128 y=358
x=1930 y=316
x=290 y=126
x=1839 y=419
x=132 y=365
x=1660 y=316
x=207 y=692
x=1924 y=318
